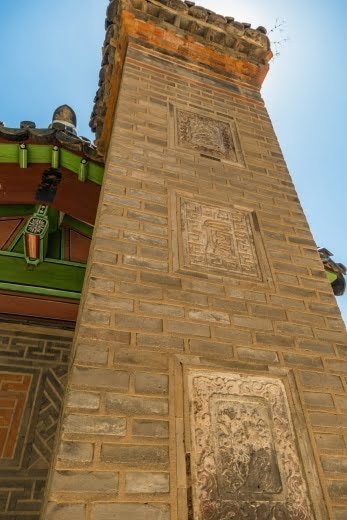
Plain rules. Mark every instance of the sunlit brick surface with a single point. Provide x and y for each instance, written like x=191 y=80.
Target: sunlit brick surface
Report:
x=144 y=317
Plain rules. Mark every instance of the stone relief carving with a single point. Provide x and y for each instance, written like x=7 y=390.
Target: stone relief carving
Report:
x=218 y=239
x=206 y=135
x=244 y=458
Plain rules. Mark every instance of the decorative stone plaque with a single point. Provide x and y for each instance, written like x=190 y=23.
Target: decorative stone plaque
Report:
x=217 y=239
x=206 y=135
x=244 y=458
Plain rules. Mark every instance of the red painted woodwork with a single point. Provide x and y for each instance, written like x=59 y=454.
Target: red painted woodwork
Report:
x=8 y=226
x=79 y=247
x=78 y=199
x=40 y=307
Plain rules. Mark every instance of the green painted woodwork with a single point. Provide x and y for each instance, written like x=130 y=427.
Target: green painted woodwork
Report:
x=55 y=276
x=53 y=250
x=62 y=243
x=65 y=262
x=79 y=226
x=83 y=171
x=95 y=173
x=331 y=276
x=55 y=157
x=49 y=260
x=23 y=156
x=9 y=153
x=44 y=154
x=43 y=291
x=56 y=234
x=17 y=245
x=53 y=217
x=73 y=163
x=69 y=160
x=16 y=210
x=18 y=252
x=11 y=253
x=38 y=153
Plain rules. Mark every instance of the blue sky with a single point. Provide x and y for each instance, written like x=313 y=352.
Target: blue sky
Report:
x=51 y=54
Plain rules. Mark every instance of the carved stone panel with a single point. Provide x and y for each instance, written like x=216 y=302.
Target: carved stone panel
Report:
x=206 y=135
x=244 y=458
x=217 y=239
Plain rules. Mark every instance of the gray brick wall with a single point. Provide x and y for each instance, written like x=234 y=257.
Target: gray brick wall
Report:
x=142 y=316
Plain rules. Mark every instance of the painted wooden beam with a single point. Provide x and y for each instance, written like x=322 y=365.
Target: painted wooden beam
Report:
x=55 y=157
x=47 y=276
x=79 y=226
x=46 y=154
x=38 y=306
x=43 y=291
x=23 y=156
x=16 y=210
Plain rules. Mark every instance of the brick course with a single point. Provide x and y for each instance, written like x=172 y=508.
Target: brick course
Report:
x=141 y=316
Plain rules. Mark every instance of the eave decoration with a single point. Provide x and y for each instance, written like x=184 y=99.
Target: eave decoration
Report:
x=49 y=190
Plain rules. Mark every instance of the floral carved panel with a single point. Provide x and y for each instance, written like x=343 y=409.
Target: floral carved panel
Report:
x=244 y=458
x=217 y=239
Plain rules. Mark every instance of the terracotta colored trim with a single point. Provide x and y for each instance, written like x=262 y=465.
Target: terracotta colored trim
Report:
x=187 y=48
x=200 y=71
x=29 y=306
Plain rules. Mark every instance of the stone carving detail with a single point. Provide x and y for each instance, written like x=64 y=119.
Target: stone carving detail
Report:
x=218 y=239
x=206 y=135
x=245 y=463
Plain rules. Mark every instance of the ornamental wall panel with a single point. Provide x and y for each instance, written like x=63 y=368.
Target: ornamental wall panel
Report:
x=206 y=135
x=245 y=461
x=217 y=240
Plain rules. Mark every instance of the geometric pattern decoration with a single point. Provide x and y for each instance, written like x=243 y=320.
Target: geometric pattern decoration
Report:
x=14 y=390
x=245 y=461
x=33 y=370
x=216 y=239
